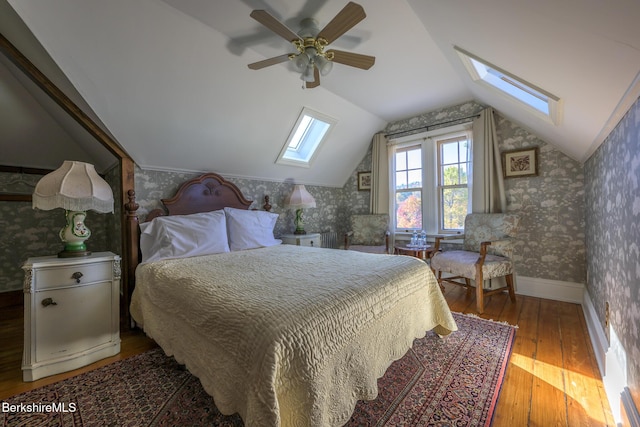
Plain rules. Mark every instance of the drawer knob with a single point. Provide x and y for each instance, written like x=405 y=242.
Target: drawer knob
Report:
x=48 y=301
x=77 y=275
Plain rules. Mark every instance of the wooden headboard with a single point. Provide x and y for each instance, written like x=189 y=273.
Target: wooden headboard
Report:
x=208 y=192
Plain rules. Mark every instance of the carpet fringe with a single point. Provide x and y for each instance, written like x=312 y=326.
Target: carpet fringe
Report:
x=475 y=316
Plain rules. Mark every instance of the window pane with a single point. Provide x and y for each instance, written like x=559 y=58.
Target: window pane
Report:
x=450 y=153
x=464 y=173
x=401 y=161
x=454 y=207
x=450 y=175
x=415 y=178
x=299 y=135
x=409 y=209
x=415 y=159
x=464 y=151
x=401 y=180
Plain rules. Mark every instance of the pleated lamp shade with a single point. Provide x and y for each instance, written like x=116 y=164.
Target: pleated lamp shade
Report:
x=74 y=186
x=300 y=198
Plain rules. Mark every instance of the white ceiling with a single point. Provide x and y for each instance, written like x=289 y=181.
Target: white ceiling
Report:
x=168 y=78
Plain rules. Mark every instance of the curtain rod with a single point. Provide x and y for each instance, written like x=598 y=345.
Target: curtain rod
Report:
x=426 y=128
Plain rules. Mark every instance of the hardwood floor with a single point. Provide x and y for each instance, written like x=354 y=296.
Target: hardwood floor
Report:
x=552 y=378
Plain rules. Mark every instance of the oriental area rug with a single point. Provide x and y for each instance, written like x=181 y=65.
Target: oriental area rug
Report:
x=450 y=381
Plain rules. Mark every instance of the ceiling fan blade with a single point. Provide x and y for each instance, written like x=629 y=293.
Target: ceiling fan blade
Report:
x=349 y=16
x=316 y=82
x=267 y=62
x=352 y=59
x=266 y=19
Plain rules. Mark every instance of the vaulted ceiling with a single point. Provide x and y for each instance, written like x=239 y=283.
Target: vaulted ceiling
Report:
x=169 y=78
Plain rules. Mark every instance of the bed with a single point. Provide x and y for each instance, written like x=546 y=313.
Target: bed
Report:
x=281 y=334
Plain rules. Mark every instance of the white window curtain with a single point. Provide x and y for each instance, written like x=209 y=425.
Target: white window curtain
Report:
x=488 y=195
x=379 y=202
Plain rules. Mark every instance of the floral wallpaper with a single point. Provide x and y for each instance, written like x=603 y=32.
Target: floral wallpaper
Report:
x=612 y=198
x=551 y=235
x=28 y=232
x=445 y=117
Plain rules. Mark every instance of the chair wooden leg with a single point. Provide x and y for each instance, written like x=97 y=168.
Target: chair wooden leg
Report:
x=512 y=292
x=479 y=290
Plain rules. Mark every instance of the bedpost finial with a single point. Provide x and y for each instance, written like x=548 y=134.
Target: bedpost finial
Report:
x=267 y=206
x=131 y=206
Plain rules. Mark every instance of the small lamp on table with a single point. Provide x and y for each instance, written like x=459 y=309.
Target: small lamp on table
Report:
x=76 y=187
x=300 y=199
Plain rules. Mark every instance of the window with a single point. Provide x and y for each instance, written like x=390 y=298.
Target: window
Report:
x=310 y=130
x=536 y=100
x=408 y=185
x=454 y=161
x=431 y=182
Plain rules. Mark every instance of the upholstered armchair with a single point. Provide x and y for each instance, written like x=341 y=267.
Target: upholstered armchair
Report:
x=368 y=233
x=487 y=253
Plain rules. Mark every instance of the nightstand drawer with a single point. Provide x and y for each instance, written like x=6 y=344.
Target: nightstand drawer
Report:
x=57 y=277
x=311 y=239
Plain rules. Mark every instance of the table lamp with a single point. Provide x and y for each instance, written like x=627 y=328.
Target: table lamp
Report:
x=76 y=187
x=298 y=200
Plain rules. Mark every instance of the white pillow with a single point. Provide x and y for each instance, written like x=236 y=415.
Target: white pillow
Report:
x=180 y=236
x=250 y=229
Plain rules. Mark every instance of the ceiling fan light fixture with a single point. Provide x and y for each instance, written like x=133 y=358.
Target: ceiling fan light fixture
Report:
x=324 y=65
x=307 y=74
x=301 y=62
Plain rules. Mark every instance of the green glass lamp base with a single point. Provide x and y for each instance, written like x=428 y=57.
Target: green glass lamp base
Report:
x=299 y=223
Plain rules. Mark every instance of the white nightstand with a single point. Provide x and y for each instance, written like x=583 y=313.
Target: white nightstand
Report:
x=311 y=239
x=71 y=312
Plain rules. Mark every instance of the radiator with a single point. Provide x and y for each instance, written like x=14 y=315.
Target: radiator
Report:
x=329 y=239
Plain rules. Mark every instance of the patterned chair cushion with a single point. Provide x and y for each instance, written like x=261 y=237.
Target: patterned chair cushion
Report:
x=462 y=263
x=369 y=230
x=492 y=226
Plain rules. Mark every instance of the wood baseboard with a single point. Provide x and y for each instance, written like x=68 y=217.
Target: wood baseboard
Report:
x=11 y=299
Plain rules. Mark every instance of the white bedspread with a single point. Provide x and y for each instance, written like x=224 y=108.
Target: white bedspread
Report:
x=289 y=335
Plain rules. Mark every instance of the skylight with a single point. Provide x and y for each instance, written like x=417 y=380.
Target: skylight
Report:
x=536 y=100
x=310 y=130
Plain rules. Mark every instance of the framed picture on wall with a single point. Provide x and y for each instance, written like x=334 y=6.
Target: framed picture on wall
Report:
x=364 y=181
x=520 y=163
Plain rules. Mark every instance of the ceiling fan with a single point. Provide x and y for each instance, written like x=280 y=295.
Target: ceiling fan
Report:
x=311 y=58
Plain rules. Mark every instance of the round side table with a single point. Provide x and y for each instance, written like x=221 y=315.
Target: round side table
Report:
x=422 y=252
